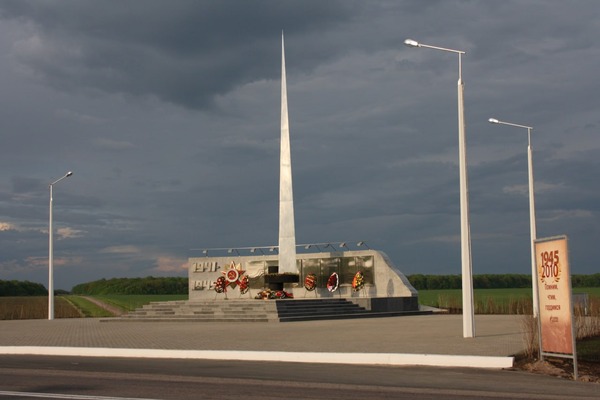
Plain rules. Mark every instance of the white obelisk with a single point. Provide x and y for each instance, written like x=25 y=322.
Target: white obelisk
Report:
x=287 y=230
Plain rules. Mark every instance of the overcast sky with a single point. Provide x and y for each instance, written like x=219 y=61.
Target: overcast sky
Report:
x=167 y=112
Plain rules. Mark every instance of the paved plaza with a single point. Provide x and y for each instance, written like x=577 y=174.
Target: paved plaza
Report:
x=416 y=340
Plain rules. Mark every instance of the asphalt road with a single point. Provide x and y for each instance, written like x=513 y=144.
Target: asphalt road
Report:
x=23 y=377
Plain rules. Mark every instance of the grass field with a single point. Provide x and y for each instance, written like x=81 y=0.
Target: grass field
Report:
x=490 y=301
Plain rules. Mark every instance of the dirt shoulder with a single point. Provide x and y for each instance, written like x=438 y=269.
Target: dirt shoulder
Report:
x=116 y=311
x=562 y=368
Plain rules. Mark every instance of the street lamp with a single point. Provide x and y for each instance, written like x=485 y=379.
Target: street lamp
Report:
x=51 y=253
x=465 y=229
x=532 y=228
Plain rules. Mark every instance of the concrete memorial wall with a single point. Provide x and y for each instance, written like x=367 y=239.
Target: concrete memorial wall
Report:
x=246 y=276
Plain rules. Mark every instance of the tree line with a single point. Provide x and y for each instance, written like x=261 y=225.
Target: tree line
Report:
x=179 y=285
x=147 y=285
x=491 y=281
x=22 y=288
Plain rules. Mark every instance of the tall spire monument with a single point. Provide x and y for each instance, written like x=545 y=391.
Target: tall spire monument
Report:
x=287 y=230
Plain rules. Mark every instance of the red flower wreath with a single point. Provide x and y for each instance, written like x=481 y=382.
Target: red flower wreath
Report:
x=244 y=284
x=221 y=285
x=310 y=282
x=358 y=282
x=333 y=282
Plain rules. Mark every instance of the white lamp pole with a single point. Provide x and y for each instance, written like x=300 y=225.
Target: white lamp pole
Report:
x=532 y=229
x=51 y=253
x=465 y=229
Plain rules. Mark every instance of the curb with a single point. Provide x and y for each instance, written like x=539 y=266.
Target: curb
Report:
x=391 y=359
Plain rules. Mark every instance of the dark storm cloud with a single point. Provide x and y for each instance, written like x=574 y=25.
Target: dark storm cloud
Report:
x=26 y=185
x=184 y=52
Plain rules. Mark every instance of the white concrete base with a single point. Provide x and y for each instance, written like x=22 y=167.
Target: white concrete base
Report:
x=433 y=360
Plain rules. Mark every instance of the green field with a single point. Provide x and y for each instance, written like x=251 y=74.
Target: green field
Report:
x=490 y=301
x=438 y=297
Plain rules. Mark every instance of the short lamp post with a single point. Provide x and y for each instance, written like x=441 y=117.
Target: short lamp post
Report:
x=465 y=229
x=51 y=253
x=532 y=228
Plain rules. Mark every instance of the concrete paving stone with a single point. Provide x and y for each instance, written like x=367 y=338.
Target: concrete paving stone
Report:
x=496 y=335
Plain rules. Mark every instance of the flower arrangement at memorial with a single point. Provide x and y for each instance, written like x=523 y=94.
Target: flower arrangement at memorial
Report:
x=244 y=284
x=358 y=282
x=310 y=282
x=333 y=282
x=269 y=294
x=221 y=285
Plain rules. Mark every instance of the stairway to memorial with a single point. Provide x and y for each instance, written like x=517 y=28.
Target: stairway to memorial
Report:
x=287 y=310
x=318 y=309
x=247 y=310
x=207 y=311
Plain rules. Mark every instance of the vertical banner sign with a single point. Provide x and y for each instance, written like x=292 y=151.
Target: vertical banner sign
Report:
x=554 y=296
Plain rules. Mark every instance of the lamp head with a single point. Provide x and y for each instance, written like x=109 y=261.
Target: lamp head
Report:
x=69 y=174
x=411 y=43
x=493 y=121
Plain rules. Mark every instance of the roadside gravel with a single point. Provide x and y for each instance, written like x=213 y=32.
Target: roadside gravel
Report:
x=116 y=311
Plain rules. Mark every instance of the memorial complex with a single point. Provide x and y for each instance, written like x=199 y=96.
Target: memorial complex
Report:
x=366 y=278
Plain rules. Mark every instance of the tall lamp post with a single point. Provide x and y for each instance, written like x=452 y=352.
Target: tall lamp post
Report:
x=465 y=229
x=532 y=228
x=51 y=253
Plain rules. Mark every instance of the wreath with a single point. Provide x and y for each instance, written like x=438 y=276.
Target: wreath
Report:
x=333 y=282
x=358 y=282
x=244 y=284
x=310 y=282
x=221 y=285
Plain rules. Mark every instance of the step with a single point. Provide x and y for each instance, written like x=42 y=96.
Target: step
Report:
x=243 y=310
x=188 y=319
x=322 y=310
